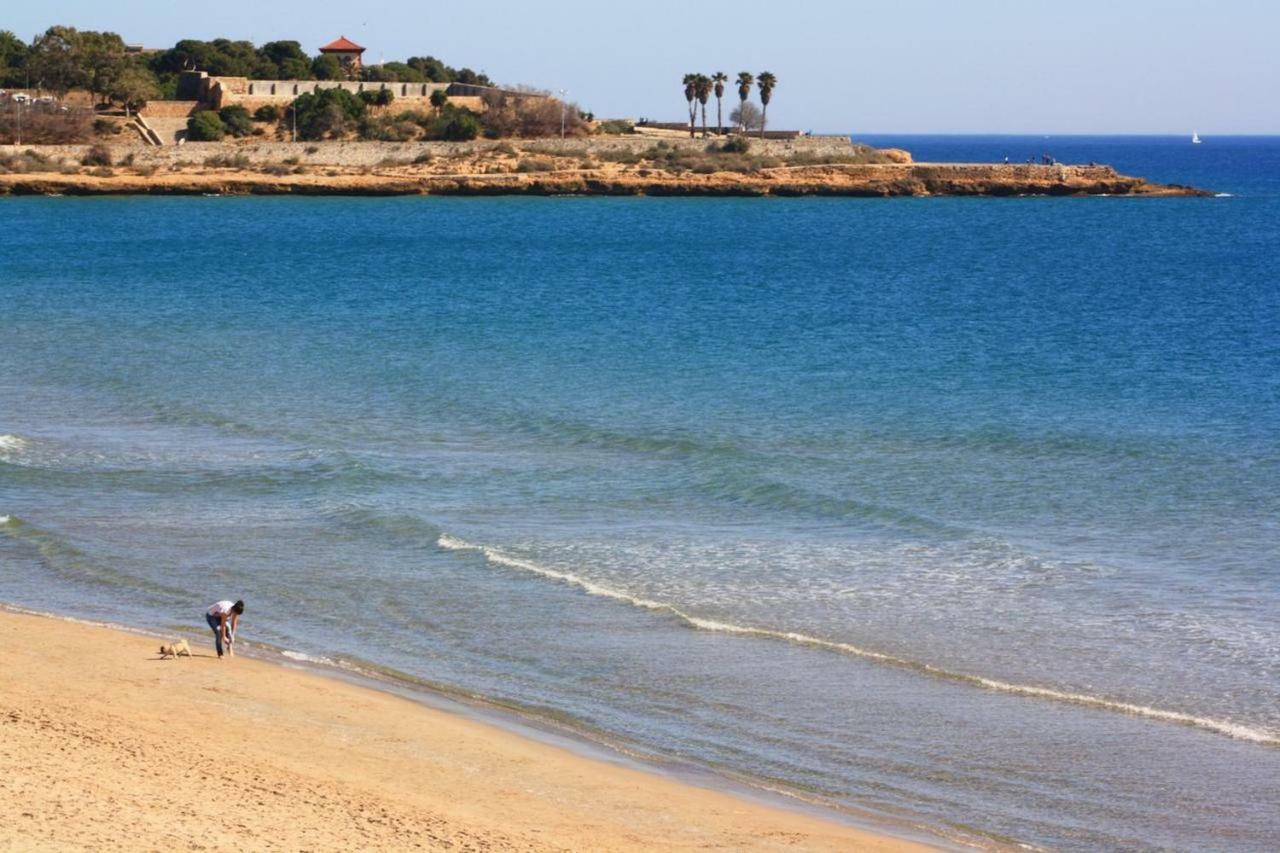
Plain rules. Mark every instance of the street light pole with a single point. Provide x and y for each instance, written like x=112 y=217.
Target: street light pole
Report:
x=563 y=92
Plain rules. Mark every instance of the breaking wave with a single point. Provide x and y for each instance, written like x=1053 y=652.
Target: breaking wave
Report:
x=1222 y=727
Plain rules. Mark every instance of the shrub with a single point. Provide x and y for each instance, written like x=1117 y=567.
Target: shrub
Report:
x=510 y=114
x=205 y=126
x=127 y=160
x=505 y=148
x=235 y=120
x=328 y=113
x=45 y=125
x=536 y=164
x=387 y=129
x=227 y=161
x=453 y=125
x=620 y=156
x=276 y=169
x=616 y=126
x=312 y=149
x=106 y=127
x=268 y=113
x=103 y=172
x=423 y=158
x=377 y=97
x=97 y=155
x=290 y=161
x=732 y=145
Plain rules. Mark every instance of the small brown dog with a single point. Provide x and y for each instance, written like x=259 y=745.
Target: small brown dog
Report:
x=172 y=650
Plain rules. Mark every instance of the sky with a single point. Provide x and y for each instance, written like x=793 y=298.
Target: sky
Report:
x=843 y=66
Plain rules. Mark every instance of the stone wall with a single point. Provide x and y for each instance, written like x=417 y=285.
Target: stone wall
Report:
x=356 y=154
x=169 y=109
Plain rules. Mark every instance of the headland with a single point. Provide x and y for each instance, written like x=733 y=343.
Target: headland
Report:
x=617 y=166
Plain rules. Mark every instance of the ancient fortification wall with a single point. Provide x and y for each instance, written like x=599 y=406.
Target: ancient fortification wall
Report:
x=355 y=154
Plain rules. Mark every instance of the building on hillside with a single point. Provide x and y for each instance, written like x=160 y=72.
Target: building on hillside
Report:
x=347 y=52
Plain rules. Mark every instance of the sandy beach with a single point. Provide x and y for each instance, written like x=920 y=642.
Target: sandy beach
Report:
x=104 y=745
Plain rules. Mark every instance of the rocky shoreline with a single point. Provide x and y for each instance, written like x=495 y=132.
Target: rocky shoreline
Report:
x=487 y=169
x=856 y=181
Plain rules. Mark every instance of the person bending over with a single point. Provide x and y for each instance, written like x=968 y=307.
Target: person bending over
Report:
x=223 y=617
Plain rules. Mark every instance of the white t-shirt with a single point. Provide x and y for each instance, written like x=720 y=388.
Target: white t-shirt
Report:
x=222 y=608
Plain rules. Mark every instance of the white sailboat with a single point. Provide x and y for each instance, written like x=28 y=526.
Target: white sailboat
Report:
x=1195 y=138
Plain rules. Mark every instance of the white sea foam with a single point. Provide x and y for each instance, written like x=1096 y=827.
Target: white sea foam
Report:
x=5 y=519
x=302 y=657
x=1224 y=727
x=1224 y=195
x=12 y=444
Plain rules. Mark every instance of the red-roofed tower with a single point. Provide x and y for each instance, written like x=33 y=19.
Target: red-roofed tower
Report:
x=347 y=52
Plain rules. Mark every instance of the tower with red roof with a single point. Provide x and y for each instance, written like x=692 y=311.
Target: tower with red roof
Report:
x=347 y=52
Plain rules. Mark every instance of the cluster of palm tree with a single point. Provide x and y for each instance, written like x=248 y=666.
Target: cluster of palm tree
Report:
x=698 y=89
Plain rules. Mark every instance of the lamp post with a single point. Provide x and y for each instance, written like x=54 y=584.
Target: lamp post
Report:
x=563 y=92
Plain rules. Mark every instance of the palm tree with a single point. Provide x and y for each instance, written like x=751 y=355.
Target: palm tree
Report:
x=702 y=88
x=745 y=82
x=765 y=82
x=719 y=78
x=690 y=92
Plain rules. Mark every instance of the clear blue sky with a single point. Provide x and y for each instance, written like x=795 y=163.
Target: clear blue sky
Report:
x=1015 y=66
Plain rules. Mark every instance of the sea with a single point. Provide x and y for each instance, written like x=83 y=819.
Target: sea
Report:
x=961 y=514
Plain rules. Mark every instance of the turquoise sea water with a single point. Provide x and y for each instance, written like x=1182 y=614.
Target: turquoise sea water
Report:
x=964 y=511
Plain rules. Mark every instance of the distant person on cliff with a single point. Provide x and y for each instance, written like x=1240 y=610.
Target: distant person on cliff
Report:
x=223 y=617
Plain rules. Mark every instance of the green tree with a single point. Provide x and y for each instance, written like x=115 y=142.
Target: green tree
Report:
x=327 y=67
x=432 y=69
x=456 y=125
x=719 y=78
x=702 y=88
x=402 y=72
x=765 y=82
x=290 y=62
x=205 y=126
x=133 y=87
x=101 y=58
x=13 y=60
x=690 y=93
x=745 y=81
x=55 y=61
x=328 y=113
x=236 y=120
x=438 y=99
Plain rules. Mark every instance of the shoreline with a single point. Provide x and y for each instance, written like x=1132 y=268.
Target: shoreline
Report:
x=917 y=180
x=604 y=167
x=58 y=665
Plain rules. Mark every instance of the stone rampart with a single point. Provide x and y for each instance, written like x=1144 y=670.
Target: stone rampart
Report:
x=356 y=154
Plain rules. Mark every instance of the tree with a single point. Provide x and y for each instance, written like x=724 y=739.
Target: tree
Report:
x=13 y=60
x=746 y=116
x=765 y=82
x=702 y=88
x=430 y=68
x=205 y=126
x=54 y=61
x=235 y=120
x=745 y=81
x=290 y=61
x=719 y=78
x=327 y=67
x=101 y=59
x=691 y=92
x=133 y=87
x=328 y=113
x=438 y=100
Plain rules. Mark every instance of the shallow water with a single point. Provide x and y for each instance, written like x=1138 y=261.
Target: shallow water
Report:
x=958 y=509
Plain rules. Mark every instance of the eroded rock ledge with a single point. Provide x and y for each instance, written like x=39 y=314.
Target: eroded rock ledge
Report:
x=573 y=167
